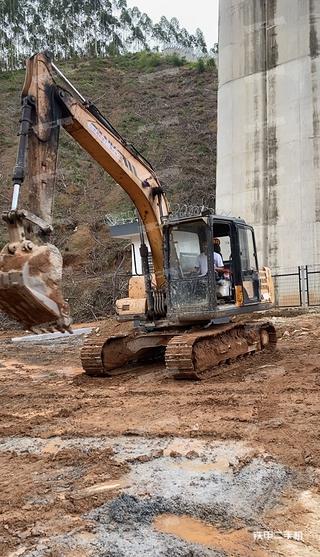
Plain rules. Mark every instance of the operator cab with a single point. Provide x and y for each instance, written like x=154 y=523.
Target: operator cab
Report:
x=211 y=267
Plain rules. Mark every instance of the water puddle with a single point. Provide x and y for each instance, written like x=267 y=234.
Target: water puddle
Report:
x=236 y=542
x=219 y=465
x=182 y=446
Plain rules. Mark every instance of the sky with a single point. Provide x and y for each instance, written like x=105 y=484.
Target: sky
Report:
x=202 y=14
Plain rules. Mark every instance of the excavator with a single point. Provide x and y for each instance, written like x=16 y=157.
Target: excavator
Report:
x=183 y=306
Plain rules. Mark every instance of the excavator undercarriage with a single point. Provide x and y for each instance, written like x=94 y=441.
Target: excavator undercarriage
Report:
x=194 y=354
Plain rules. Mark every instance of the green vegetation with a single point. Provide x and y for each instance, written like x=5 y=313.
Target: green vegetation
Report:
x=146 y=60
x=85 y=28
x=203 y=64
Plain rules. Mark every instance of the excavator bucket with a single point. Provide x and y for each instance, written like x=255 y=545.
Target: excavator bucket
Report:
x=30 y=274
x=30 y=286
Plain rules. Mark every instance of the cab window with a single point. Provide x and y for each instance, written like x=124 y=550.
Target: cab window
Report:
x=247 y=250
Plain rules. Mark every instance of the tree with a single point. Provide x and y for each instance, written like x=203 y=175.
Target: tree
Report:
x=200 y=41
x=174 y=31
x=71 y=28
x=215 y=49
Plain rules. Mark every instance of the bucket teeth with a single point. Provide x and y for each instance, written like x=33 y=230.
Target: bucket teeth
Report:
x=11 y=279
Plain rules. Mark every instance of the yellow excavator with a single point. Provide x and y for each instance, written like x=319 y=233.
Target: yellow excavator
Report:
x=204 y=268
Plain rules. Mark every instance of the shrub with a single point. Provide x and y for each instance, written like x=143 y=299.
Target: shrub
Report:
x=200 y=65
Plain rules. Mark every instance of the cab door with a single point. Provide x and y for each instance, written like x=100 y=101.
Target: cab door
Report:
x=188 y=268
x=249 y=265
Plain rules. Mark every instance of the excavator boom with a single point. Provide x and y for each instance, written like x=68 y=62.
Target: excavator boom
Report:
x=31 y=270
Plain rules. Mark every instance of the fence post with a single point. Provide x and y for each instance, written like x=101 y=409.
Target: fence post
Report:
x=303 y=286
x=307 y=284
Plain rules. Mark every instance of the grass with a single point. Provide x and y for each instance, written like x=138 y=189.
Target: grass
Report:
x=6 y=141
x=147 y=61
x=131 y=121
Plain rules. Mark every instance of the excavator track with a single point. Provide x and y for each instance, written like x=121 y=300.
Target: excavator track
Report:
x=191 y=355
x=92 y=356
x=93 y=350
x=196 y=355
x=108 y=353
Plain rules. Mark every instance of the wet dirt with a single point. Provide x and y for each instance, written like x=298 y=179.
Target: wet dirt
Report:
x=221 y=464
x=77 y=453
x=196 y=531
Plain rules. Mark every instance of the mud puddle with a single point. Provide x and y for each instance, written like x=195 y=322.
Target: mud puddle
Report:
x=220 y=465
x=196 y=531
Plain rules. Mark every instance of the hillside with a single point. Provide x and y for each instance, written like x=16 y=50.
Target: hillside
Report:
x=167 y=110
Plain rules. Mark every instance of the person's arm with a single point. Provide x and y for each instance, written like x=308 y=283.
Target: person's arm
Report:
x=218 y=262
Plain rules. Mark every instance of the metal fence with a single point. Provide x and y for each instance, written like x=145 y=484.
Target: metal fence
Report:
x=288 y=288
x=298 y=287
x=313 y=285
x=294 y=287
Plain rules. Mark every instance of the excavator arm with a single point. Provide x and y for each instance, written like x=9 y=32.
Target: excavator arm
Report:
x=30 y=270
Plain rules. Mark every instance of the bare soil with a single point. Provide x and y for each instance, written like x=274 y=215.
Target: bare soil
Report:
x=268 y=401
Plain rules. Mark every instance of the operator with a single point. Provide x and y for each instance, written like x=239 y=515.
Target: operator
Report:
x=201 y=265
x=217 y=257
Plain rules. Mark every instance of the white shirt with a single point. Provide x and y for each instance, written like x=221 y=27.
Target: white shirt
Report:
x=218 y=261
x=202 y=262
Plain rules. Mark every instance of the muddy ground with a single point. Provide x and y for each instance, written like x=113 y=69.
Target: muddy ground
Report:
x=142 y=465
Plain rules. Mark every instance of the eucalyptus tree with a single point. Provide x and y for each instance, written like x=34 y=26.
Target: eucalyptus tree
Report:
x=120 y=4
x=146 y=26
x=71 y=28
x=174 y=31
x=200 y=41
x=90 y=26
x=12 y=32
x=185 y=39
x=126 y=24
x=159 y=34
x=167 y=31
x=106 y=21
x=136 y=39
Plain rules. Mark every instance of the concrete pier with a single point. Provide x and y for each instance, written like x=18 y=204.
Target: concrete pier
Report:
x=269 y=125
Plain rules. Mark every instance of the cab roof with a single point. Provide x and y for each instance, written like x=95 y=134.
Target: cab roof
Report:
x=215 y=218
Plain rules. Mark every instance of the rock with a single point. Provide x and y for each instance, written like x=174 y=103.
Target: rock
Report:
x=192 y=454
x=142 y=458
x=175 y=454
